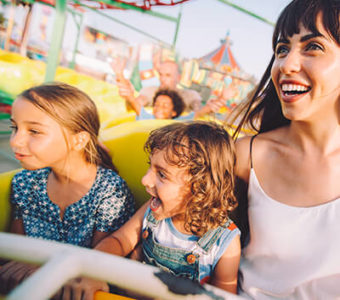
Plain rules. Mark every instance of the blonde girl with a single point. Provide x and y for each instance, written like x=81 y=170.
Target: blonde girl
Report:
x=69 y=190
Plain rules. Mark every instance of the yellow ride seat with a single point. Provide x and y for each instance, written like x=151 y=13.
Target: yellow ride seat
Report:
x=5 y=190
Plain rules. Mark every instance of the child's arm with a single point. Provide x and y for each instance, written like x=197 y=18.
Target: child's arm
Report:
x=17 y=226
x=125 y=239
x=12 y=272
x=225 y=273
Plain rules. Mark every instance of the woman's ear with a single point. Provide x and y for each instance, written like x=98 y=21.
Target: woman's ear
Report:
x=80 y=140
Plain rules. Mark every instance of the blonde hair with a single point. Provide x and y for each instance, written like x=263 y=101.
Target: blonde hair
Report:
x=207 y=151
x=73 y=110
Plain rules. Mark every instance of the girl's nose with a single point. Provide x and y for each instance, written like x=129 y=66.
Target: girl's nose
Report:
x=17 y=139
x=291 y=63
x=147 y=179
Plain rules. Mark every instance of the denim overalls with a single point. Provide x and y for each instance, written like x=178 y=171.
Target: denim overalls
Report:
x=179 y=262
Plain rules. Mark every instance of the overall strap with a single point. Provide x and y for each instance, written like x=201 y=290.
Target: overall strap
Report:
x=211 y=236
x=150 y=218
x=251 y=150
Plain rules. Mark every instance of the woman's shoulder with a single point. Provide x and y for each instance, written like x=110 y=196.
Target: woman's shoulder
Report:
x=243 y=157
x=258 y=145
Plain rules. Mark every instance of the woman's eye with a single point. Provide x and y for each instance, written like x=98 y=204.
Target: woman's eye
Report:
x=281 y=49
x=314 y=46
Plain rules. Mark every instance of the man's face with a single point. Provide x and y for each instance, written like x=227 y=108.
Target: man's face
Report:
x=168 y=75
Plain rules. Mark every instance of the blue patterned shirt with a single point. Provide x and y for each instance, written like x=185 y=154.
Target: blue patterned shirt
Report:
x=105 y=207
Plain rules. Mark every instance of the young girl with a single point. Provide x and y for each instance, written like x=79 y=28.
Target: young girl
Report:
x=187 y=216
x=69 y=191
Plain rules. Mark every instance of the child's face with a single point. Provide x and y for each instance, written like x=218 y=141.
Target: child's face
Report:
x=37 y=140
x=163 y=108
x=168 y=186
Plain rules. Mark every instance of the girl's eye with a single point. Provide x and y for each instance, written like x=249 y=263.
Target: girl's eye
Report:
x=161 y=175
x=13 y=128
x=314 y=46
x=34 y=131
x=281 y=50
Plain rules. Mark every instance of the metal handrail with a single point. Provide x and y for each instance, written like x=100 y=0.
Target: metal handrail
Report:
x=62 y=262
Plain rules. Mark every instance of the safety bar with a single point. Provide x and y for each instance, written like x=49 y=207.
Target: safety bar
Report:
x=62 y=262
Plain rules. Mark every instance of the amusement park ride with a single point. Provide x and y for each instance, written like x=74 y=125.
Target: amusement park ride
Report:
x=57 y=258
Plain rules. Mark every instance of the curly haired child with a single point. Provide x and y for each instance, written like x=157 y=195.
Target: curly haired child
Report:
x=191 y=183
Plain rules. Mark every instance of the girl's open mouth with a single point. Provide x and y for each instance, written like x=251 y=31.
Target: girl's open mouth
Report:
x=155 y=203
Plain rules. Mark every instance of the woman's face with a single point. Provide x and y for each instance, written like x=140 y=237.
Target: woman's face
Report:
x=306 y=74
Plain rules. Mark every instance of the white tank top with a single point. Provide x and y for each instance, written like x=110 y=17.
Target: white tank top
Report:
x=294 y=252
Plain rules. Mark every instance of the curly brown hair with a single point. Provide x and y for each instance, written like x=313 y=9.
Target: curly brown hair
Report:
x=208 y=153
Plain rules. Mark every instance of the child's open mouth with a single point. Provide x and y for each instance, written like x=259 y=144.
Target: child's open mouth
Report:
x=155 y=203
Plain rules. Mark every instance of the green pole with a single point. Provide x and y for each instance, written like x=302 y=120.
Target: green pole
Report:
x=247 y=12
x=177 y=27
x=57 y=39
x=75 y=49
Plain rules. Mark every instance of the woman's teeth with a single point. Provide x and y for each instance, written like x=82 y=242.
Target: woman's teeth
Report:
x=290 y=89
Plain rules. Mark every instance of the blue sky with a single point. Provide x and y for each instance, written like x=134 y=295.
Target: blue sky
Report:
x=204 y=23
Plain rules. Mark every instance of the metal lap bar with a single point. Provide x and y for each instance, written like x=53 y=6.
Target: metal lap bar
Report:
x=62 y=262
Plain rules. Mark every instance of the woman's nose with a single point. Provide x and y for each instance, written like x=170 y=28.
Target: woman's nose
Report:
x=291 y=63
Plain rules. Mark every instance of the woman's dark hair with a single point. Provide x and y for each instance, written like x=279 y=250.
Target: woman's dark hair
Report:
x=73 y=110
x=176 y=99
x=262 y=111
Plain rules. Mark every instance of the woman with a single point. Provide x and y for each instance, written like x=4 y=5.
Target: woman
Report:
x=292 y=166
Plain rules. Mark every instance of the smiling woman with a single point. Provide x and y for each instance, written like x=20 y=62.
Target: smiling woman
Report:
x=290 y=169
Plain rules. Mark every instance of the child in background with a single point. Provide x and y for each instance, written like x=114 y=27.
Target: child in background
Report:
x=187 y=217
x=167 y=104
x=69 y=191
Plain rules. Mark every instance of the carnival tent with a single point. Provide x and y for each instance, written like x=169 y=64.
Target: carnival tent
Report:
x=221 y=59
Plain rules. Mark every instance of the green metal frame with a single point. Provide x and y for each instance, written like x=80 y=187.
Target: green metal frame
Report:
x=78 y=24
x=59 y=25
x=248 y=12
x=57 y=34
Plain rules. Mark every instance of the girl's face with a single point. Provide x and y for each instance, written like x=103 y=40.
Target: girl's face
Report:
x=163 y=108
x=168 y=186
x=306 y=74
x=37 y=140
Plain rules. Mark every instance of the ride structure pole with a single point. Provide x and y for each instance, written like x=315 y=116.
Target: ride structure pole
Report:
x=78 y=24
x=247 y=12
x=57 y=39
x=178 y=21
